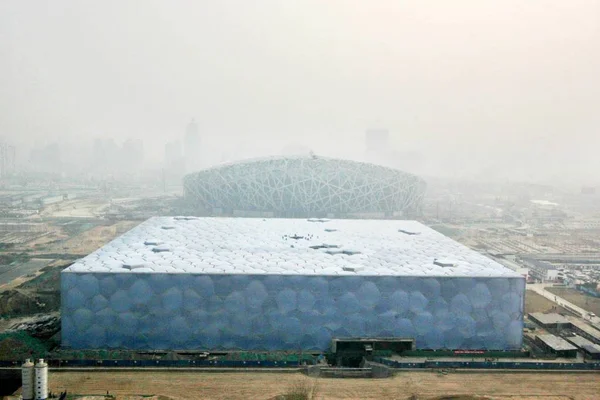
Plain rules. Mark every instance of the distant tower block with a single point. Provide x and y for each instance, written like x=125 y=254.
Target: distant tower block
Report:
x=192 y=153
x=377 y=140
x=7 y=159
x=41 y=380
x=27 y=377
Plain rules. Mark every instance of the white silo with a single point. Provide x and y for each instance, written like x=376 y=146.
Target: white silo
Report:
x=27 y=378
x=41 y=380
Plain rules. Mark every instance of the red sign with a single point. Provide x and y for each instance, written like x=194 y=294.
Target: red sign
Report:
x=469 y=352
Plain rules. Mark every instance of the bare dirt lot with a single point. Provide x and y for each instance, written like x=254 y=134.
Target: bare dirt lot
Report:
x=92 y=239
x=79 y=208
x=537 y=303
x=252 y=385
x=588 y=303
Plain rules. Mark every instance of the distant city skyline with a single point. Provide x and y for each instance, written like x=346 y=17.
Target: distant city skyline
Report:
x=192 y=148
x=411 y=156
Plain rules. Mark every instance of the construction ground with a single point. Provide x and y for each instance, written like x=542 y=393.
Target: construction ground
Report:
x=266 y=385
x=537 y=303
x=582 y=300
x=31 y=284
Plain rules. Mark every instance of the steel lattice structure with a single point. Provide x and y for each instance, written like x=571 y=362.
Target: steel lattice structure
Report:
x=305 y=185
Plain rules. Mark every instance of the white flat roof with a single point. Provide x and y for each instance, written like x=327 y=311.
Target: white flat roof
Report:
x=288 y=247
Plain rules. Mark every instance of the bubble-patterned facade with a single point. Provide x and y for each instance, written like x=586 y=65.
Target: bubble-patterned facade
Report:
x=277 y=284
x=305 y=186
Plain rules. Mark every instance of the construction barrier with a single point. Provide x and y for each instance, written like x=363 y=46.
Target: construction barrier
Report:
x=166 y=363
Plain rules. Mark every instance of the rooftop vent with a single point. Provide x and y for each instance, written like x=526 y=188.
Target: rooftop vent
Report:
x=133 y=265
x=408 y=232
x=353 y=268
x=445 y=262
x=160 y=249
x=324 y=246
x=153 y=242
x=185 y=218
x=346 y=252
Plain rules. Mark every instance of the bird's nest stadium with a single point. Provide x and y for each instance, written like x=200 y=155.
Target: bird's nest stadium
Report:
x=304 y=186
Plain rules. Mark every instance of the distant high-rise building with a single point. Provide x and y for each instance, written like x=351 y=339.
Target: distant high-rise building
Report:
x=380 y=150
x=106 y=156
x=377 y=140
x=133 y=154
x=98 y=155
x=377 y=146
x=112 y=152
x=7 y=159
x=295 y=150
x=47 y=158
x=172 y=153
x=191 y=147
x=174 y=168
x=588 y=190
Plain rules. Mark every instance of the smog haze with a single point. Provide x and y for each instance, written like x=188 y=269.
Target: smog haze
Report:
x=503 y=90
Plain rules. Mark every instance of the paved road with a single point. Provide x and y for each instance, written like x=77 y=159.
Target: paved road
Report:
x=540 y=288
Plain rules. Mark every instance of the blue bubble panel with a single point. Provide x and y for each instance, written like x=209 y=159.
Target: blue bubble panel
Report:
x=265 y=312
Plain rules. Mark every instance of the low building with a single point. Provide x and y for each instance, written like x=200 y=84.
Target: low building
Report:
x=541 y=270
x=11 y=201
x=585 y=330
x=591 y=350
x=51 y=200
x=509 y=262
x=550 y=320
x=33 y=198
x=556 y=345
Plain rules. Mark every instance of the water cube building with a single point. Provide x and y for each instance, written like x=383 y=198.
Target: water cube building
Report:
x=287 y=284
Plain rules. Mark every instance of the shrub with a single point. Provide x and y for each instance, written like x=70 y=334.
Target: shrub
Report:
x=306 y=389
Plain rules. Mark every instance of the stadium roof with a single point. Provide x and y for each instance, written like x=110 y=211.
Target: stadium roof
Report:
x=288 y=247
x=304 y=185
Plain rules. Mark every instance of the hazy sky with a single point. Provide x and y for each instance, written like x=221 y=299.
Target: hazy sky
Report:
x=510 y=88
